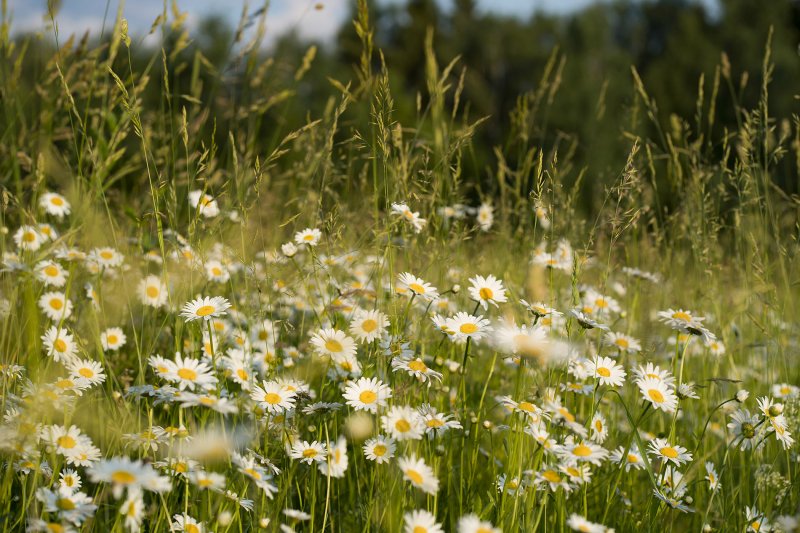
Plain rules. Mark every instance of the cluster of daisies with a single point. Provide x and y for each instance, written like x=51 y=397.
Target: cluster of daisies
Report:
x=299 y=366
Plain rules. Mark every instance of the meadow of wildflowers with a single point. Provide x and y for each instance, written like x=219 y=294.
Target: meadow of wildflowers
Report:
x=334 y=335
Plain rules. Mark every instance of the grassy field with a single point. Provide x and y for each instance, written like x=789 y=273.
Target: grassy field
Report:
x=214 y=321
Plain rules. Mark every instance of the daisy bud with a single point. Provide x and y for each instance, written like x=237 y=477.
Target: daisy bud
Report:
x=263 y=523
x=4 y=230
x=742 y=395
x=358 y=426
x=224 y=518
x=776 y=410
x=456 y=288
x=289 y=249
x=487 y=424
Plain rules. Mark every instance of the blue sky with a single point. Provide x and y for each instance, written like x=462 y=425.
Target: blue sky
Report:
x=76 y=16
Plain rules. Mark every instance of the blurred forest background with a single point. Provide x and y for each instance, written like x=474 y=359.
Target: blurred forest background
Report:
x=568 y=80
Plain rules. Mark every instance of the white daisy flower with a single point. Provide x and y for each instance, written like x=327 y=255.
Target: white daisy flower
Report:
x=379 y=449
x=204 y=204
x=333 y=343
x=308 y=452
x=309 y=236
x=403 y=423
x=113 y=339
x=54 y=204
x=413 y=218
x=488 y=290
x=273 y=397
x=28 y=238
x=367 y=394
x=205 y=308
x=153 y=291
x=421 y=521
x=56 y=306
x=658 y=393
x=50 y=273
x=59 y=344
x=419 y=474
x=607 y=371
x=407 y=282
x=366 y=326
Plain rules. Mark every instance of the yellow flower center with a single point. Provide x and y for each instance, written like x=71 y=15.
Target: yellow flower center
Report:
x=379 y=450
x=112 y=339
x=272 y=398
x=310 y=452
x=191 y=528
x=416 y=287
x=253 y=473
x=50 y=270
x=581 y=450
x=367 y=396
x=60 y=345
x=682 y=315
x=417 y=365
x=402 y=426
x=604 y=372
x=205 y=310
x=123 y=477
x=28 y=236
x=56 y=303
x=669 y=451
x=332 y=345
x=485 y=293
x=66 y=442
x=468 y=328
x=655 y=395
x=216 y=271
x=105 y=254
x=419 y=529
x=414 y=476
x=369 y=325
x=551 y=476
x=187 y=374
x=242 y=374
x=65 y=504
x=622 y=343
x=434 y=423
x=566 y=414
x=632 y=458
x=151 y=291
x=526 y=406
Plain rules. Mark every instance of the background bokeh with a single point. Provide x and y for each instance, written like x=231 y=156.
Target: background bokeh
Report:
x=681 y=49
